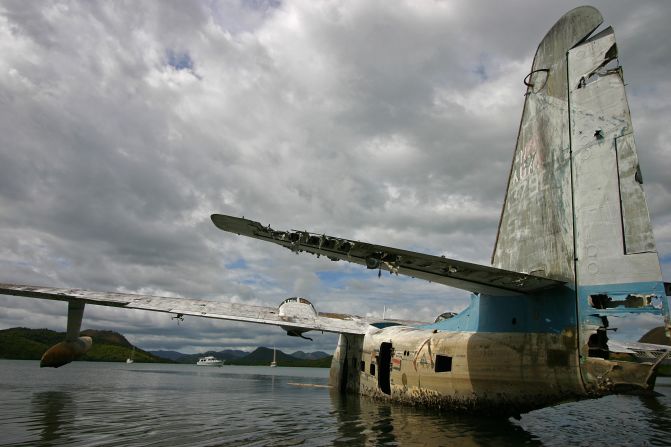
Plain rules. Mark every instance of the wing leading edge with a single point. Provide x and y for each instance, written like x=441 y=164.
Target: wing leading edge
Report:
x=326 y=322
x=462 y=275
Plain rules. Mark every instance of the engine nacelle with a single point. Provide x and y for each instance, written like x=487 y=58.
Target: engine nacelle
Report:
x=298 y=308
x=66 y=351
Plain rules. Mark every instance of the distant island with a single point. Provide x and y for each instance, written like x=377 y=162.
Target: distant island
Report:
x=259 y=357
x=108 y=346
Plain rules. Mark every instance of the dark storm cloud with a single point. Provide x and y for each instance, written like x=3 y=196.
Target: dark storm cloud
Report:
x=123 y=126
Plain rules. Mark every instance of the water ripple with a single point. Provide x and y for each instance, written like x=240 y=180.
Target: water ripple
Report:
x=95 y=404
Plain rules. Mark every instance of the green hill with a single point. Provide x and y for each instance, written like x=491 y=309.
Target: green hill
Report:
x=108 y=346
x=656 y=336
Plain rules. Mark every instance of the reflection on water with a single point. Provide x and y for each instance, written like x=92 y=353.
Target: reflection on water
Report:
x=364 y=421
x=612 y=420
x=54 y=411
x=89 y=404
x=657 y=416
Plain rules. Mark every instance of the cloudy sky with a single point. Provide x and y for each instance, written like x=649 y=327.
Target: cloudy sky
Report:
x=124 y=125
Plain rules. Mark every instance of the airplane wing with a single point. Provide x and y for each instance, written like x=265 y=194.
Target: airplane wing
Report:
x=643 y=352
x=632 y=347
x=462 y=275
x=294 y=322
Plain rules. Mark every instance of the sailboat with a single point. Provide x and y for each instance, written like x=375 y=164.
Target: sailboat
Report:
x=132 y=354
x=273 y=364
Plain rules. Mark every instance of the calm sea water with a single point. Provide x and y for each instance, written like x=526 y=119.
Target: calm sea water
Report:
x=113 y=404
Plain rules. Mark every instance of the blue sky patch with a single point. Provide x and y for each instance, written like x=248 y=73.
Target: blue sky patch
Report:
x=261 y=5
x=481 y=71
x=330 y=276
x=238 y=264
x=337 y=279
x=179 y=60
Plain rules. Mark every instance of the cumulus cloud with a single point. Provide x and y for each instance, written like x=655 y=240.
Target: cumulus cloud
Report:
x=123 y=126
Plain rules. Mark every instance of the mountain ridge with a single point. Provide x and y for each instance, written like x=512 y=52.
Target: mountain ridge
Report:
x=259 y=357
x=109 y=346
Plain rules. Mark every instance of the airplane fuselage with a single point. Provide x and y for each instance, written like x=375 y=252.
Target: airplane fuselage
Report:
x=496 y=355
x=461 y=370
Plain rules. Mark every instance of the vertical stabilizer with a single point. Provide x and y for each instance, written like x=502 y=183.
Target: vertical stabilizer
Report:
x=575 y=208
x=614 y=241
x=535 y=231
x=618 y=276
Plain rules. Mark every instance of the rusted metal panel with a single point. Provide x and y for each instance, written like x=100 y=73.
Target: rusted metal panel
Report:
x=535 y=230
x=498 y=372
x=617 y=267
x=463 y=275
x=346 y=363
x=608 y=376
x=636 y=224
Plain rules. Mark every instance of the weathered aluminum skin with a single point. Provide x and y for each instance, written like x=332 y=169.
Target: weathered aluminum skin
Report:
x=462 y=275
x=327 y=322
x=575 y=211
x=535 y=231
x=510 y=372
x=490 y=372
x=503 y=373
x=618 y=275
x=609 y=201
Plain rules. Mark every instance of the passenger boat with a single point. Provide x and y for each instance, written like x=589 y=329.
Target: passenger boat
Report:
x=209 y=361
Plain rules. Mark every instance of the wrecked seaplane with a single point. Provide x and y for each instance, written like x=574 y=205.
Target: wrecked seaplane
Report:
x=574 y=256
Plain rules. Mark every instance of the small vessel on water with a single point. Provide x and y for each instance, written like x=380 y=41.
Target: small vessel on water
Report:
x=273 y=364
x=209 y=361
x=132 y=356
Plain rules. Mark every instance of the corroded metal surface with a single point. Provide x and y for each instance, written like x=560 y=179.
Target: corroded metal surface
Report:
x=617 y=266
x=345 y=365
x=637 y=227
x=462 y=275
x=65 y=352
x=535 y=231
x=487 y=372
x=609 y=201
x=497 y=372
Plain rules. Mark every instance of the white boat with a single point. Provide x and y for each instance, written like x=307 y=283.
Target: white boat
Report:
x=209 y=361
x=132 y=355
x=273 y=364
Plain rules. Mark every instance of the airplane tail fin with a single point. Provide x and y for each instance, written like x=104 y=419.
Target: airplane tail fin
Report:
x=614 y=243
x=536 y=227
x=575 y=210
x=618 y=275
